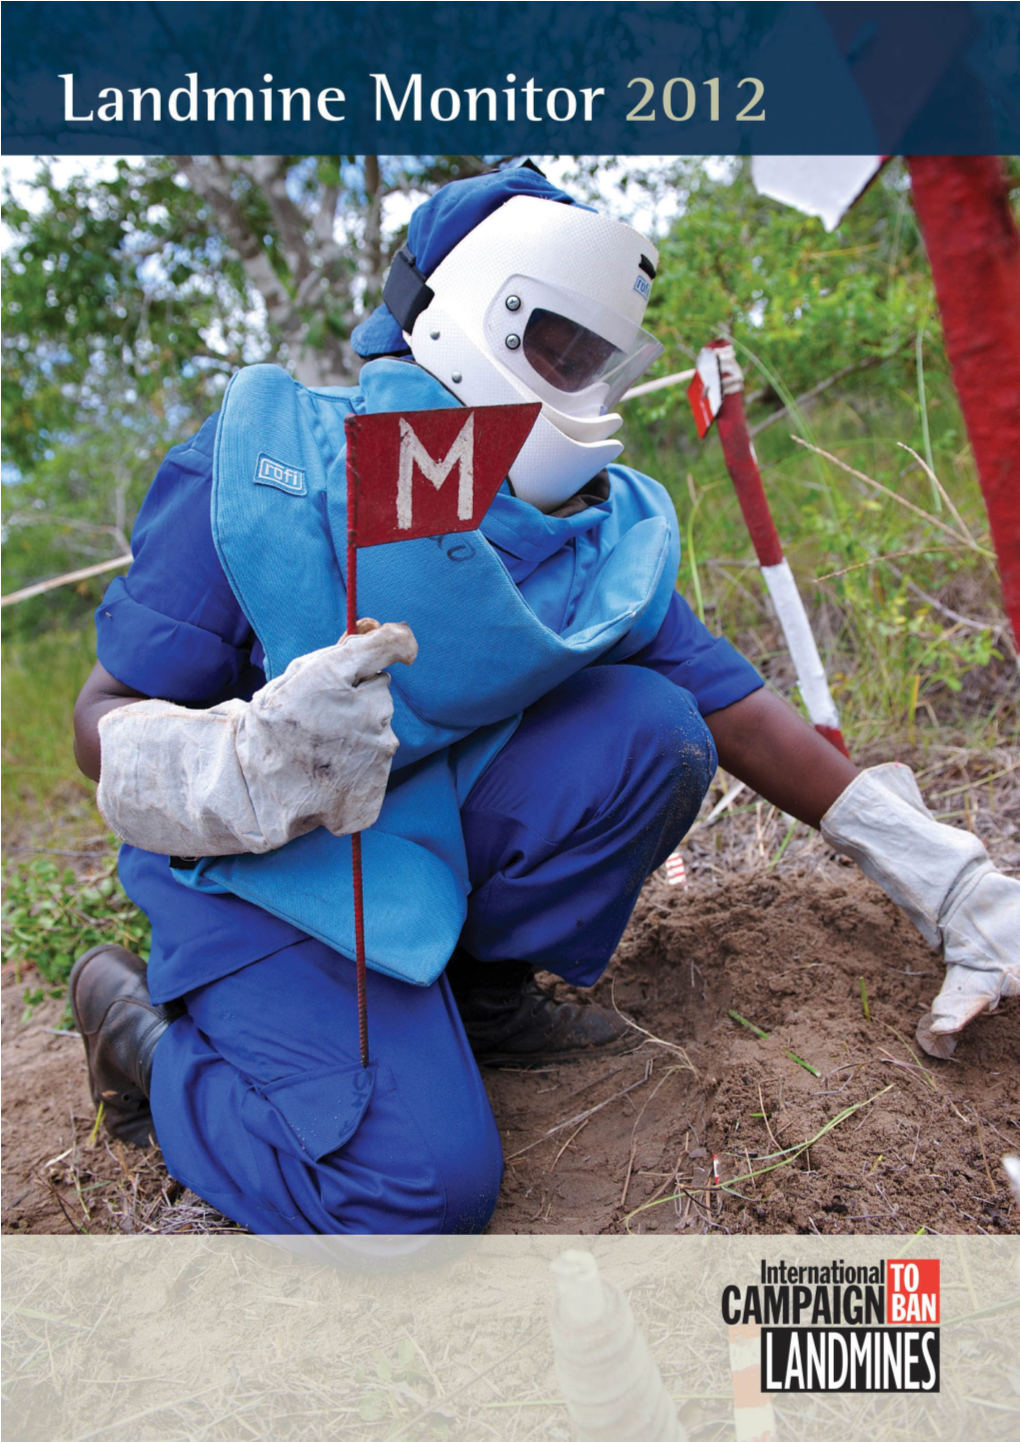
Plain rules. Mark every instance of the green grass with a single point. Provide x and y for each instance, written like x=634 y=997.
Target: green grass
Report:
x=51 y=915
x=41 y=679
x=903 y=671
x=53 y=911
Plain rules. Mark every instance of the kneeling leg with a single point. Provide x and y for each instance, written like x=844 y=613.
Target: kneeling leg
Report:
x=601 y=781
x=262 y=1108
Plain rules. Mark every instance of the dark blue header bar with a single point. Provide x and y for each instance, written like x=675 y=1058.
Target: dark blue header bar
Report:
x=511 y=78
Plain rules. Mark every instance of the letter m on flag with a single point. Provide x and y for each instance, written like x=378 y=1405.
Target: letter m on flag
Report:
x=400 y=469
x=413 y=453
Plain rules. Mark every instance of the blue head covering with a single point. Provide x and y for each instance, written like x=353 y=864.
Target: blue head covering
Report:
x=440 y=223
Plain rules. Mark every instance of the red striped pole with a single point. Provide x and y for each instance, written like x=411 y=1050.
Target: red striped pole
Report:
x=973 y=246
x=742 y=465
x=962 y=203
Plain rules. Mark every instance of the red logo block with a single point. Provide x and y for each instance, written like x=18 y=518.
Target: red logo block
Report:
x=913 y=1295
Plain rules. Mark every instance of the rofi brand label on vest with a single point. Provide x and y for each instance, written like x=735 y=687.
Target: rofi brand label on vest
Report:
x=270 y=472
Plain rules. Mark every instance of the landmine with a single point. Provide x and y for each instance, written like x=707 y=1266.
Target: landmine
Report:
x=612 y=1387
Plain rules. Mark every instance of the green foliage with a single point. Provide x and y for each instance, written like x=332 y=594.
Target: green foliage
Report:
x=886 y=589
x=132 y=291
x=109 y=288
x=891 y=650
x=50 y=916
x=809 y=303
x=112 y=289
x=41 y=679
x=63 y=520
x=129 y=300
x=873 y=574
x=130 y=297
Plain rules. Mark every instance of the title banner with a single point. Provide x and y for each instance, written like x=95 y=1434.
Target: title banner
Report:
x=511 y=78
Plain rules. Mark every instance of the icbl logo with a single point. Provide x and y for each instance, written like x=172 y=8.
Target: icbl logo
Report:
x=913 y=1293
x=642 y=287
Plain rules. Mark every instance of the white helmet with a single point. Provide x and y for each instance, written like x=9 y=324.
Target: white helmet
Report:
x=542 y=301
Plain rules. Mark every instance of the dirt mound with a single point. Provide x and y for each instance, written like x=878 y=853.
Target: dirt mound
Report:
x=788 y=955
x=896 y=1141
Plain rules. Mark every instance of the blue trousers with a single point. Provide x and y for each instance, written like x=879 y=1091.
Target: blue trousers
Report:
x=259 y=1101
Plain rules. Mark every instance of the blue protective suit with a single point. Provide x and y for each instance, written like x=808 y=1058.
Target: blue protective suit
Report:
x=602 y=598
x=566 y=795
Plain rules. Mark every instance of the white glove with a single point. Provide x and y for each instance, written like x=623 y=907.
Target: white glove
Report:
x=729 y=370
x=943 y=879
x=312 y=748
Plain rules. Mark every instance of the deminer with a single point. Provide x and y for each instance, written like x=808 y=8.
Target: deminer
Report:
x=559 y=710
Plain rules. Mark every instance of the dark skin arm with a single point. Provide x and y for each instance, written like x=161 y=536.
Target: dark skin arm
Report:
x=760 y=740
x=763 y=742
x=101 y=693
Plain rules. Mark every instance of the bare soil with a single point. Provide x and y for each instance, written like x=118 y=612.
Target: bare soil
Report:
x=627 y=1143
x=923 y=1148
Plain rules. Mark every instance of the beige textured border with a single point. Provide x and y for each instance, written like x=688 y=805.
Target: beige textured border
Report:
x=236 y=1337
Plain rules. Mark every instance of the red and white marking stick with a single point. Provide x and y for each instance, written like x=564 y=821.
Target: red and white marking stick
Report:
x=676 y=872
x=709 y=403
x=753 y=1416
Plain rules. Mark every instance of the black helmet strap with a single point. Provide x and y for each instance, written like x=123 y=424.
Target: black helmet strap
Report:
x=406 y=293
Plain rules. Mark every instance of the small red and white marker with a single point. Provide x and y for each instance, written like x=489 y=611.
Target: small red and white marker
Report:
x=676 y=872
x=753 y=1415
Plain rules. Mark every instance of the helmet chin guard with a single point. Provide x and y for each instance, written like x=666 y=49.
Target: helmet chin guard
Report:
x=543 y=302
x=552 y=465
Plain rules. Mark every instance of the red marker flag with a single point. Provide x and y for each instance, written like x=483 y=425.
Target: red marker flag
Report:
x=429 y=473
x=705 y=394
x=412 y=474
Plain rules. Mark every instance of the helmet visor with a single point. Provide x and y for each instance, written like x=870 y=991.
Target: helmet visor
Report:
x=572 y=358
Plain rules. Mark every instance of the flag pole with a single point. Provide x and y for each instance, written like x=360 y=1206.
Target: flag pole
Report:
x=352 y=630
x=483 y=441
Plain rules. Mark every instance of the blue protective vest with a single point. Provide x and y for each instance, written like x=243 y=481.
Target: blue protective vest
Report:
x=598 y=591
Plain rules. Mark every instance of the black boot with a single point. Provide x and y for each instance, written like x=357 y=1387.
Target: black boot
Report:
x=120 y=1027
x=511 y=1021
